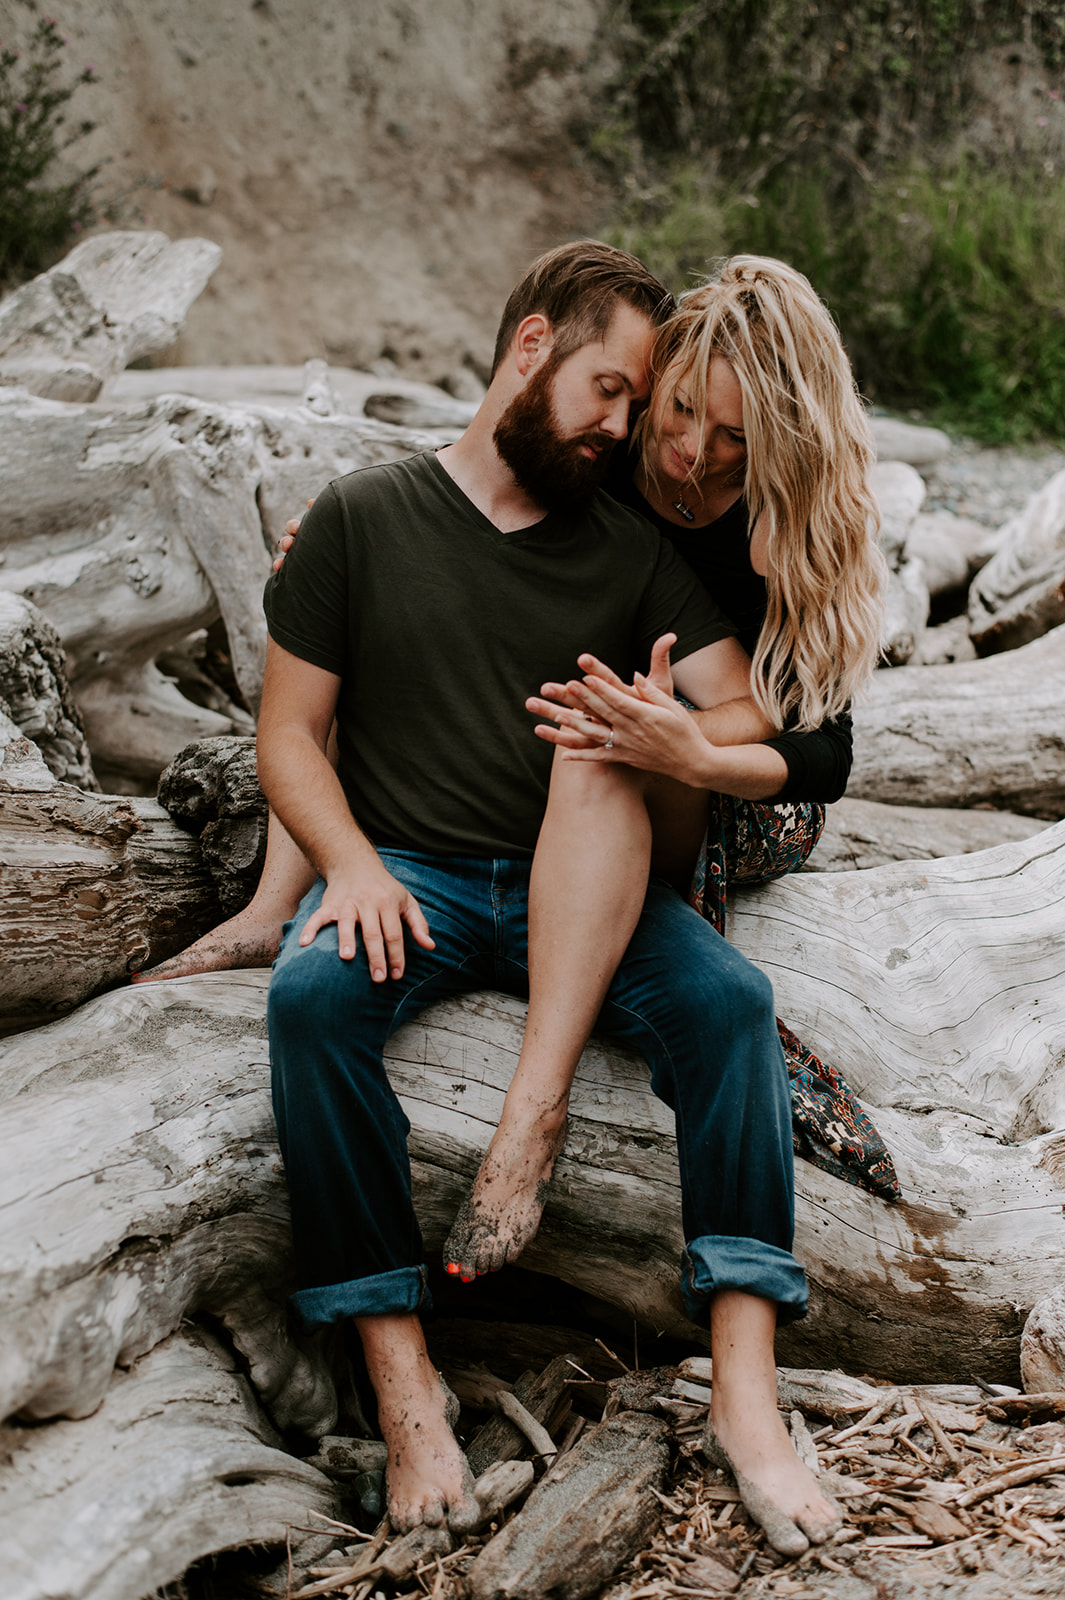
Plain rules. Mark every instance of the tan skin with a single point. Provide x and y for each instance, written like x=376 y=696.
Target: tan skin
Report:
x=656 y=747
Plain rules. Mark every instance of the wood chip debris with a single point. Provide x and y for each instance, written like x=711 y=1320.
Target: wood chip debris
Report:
x=949 y=1476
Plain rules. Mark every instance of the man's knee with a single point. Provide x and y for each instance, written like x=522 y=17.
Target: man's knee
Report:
x=308 y=986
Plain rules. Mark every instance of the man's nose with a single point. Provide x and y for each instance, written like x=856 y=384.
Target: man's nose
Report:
x=615 y=421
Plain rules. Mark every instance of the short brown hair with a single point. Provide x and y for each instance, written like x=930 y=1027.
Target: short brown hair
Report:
x=577 y=287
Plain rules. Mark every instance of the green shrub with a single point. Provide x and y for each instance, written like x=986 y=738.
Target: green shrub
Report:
x=827 y=136
x=39 y=210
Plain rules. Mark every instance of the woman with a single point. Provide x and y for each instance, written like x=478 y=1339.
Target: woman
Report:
x=753 y=461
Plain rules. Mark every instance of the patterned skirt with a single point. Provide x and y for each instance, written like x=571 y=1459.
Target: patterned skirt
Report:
x=751 y=842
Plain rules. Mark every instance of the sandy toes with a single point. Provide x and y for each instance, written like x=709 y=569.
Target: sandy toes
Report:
x=780 y=1493
x=501 y=1214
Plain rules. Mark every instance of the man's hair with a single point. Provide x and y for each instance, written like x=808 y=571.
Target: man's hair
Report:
x=578 y=287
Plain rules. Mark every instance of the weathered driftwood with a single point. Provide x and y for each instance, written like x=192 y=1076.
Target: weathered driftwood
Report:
x=179 y=1461
x=140 y=1183
x=1043 y=1345
x=588 y=1514
x=211 y=788
x=902 y=441
x=145 y=1118
x=133 y=528
x=1020 y=594
x=501 y=1439
x=961 y=735
x=939 y=995
x=409 y=411
x=906 y=607
x=93 y=887
x=943 y=644
x=951 y=549
x=113 y=299
x=864 y=833
x=35 y=692
x=899 y=492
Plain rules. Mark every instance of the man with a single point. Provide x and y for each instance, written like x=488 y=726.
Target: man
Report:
x=423 y=601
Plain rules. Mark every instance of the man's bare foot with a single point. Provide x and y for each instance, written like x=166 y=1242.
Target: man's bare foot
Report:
x=780 y=1493
x=502 y=1212
x=428 y=1477
x=246 y=940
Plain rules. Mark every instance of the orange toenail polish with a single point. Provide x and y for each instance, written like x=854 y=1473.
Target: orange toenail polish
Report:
x=467 y=1280
x=452 y=1267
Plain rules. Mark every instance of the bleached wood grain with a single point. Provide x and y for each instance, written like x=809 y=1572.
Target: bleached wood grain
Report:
x=178 y=1462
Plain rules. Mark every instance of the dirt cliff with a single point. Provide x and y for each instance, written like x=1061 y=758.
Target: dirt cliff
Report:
x=377 y=171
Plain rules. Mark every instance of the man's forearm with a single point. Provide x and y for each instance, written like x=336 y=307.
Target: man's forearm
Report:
x=739 y=721
x=304 y=790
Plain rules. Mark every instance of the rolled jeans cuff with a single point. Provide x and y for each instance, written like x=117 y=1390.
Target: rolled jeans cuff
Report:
x=384 y=1294
x=714 y=1262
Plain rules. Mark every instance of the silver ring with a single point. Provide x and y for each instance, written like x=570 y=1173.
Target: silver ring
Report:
x=610 y=742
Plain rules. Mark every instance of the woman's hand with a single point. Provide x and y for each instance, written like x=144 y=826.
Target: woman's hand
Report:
x=602 y=718
x=287 y=539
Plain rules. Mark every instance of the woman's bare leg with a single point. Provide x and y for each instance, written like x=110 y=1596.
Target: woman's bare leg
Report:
x=780 y=1493
x=589 y=878
x=251 y=938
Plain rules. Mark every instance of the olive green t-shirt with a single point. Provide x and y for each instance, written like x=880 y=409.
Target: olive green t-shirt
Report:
x=439 y=626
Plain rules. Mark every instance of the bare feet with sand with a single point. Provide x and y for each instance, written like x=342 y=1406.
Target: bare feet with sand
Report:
x=428 y=1478
x=501 y=1214
x=246 y=940
x=780 y=1493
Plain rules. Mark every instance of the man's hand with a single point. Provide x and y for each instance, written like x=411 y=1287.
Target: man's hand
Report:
x=369 y=897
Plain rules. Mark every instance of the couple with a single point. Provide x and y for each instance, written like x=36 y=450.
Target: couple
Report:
x=421 y=603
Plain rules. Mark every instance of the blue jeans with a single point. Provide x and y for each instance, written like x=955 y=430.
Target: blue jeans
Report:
x=697 y=1011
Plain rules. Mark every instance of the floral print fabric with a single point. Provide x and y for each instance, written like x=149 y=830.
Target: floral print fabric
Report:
x=751 y=842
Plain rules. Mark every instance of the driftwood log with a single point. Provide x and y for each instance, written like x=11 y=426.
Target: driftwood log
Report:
x=900 y=492
x=585 y=1516
x=141 y=1178
x=115 y=1506
x=1020 y=594
x=114 y=299
x=35 y=694
x=864 y=833
x=93 y=886
x=132 y=528
x=950 y=548
x=971 y=733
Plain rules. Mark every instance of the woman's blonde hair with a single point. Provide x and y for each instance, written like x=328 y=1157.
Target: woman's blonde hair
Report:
x=809 y=452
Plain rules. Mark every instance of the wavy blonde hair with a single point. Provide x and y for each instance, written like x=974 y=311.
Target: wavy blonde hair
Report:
x=809 y=452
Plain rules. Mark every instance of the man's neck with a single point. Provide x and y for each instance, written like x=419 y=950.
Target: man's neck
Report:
x=475 y=465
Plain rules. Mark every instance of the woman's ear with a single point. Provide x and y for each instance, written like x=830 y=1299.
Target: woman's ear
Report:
x=533 y=341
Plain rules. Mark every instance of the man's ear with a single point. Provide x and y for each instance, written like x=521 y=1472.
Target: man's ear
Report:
x=533 y=341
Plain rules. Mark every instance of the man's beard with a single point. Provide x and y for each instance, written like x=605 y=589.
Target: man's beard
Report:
x=550 y=469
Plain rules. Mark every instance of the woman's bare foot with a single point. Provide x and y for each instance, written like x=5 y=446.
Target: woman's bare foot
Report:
x=502 y=1212
x=780 y=1493
x=428 y=1477
x=246 y=940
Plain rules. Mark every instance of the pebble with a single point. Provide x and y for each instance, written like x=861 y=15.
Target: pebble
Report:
x=989 y=483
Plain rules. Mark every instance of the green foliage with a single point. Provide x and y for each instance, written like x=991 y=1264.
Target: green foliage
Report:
x=38 y=209
x=827 y=136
